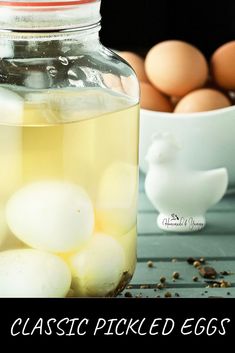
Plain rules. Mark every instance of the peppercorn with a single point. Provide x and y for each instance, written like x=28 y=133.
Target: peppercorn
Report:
x=162 y=279
x=176 y=275
x=196 y=264
x=150 y=264
x=160 y=286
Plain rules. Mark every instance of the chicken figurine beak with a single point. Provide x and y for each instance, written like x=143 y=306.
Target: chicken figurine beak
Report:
x=181 y=195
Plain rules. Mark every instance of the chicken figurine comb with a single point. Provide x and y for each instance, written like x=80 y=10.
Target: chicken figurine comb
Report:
x=180 y=195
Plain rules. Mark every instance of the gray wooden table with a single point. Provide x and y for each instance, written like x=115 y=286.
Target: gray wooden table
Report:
x=169 y=253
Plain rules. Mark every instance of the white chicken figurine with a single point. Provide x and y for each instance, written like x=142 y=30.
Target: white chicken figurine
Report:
x=182 y=196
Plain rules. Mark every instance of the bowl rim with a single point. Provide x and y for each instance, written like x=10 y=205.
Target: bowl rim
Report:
x=194 y=115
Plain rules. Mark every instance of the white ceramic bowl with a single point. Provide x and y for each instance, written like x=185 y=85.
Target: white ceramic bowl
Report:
x=208 y=138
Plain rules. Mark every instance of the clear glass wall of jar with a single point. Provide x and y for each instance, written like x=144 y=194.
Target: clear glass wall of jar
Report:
x=69 y=111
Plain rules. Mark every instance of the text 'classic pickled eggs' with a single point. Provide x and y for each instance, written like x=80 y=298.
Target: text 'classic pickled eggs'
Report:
x=53 y=216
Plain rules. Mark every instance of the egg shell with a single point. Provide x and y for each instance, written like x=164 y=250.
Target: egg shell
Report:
x=52 y=215
x=175 y=100
x=223 y=67
x=152 y=99
x=202 y=100
x=32 y=273
x=116 y=205
x=136 y=62
x=12 y=107
x=176 y=67
x=98 y=269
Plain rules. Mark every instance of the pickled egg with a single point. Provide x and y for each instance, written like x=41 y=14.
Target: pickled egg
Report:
x=202 y=100
x=152 y=99
x=136 y=62
x=32 y=273
x=98 y=269
x=176 y=67
x=52 y=215
x=222 y=66
x=117 y=198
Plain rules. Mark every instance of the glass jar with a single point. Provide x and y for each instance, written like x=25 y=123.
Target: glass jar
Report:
x=68 y=154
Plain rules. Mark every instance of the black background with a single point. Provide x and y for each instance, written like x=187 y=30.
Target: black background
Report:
x=138 y=25
x=93 y=309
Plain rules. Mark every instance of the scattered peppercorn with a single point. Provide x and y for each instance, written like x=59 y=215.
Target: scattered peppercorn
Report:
x=225 y=284
x=190 y=260
x=225 y=273
x=195 y=278
x=228 y=293
x=160 y=286
x=162 y=279
x=177 y=295
x=196 y=264
x=128 y=295
x=168 y=295
x=216 y=285
x=150 y=264
x=176 y=275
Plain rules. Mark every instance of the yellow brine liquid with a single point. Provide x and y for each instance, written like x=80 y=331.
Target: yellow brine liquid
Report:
x=68 y=189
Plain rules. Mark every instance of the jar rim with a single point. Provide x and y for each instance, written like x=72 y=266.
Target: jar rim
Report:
x=44 y=3
x=46 y=15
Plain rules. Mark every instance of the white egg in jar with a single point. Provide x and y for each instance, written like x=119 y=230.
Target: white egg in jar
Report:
x=32 y=273
x=52 y=215
x=97 y=270
x=117 y=199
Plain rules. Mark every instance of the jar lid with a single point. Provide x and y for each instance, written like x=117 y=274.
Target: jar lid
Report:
x=44 y=3
x=43 y=15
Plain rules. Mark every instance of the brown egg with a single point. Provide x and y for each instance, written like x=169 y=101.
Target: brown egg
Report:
x=176 y=67
x=202 y=100
x=113 y=82
x=175 y=100
x=136 y=62
x=152 y=99
x=223 y=66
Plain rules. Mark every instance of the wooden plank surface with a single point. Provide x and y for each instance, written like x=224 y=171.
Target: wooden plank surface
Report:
x=216 y=243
